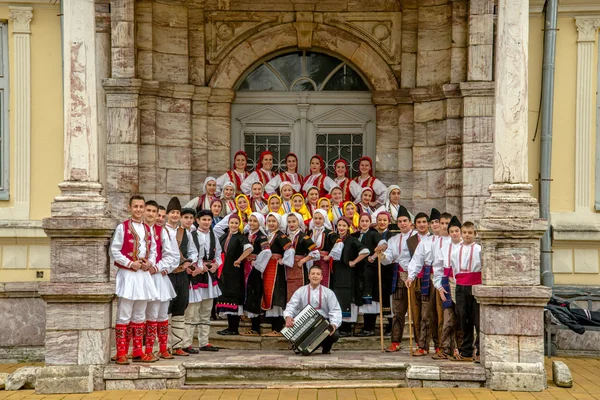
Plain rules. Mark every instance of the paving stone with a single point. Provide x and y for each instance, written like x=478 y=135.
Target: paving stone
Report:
x=561 y=374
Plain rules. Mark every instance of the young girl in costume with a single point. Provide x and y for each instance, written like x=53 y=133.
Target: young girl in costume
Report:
x=349 y=209
x=257 y=201
x=287 y=191
x=321 y=233
x=305 y=254
x=228 y=198
x=364 y=205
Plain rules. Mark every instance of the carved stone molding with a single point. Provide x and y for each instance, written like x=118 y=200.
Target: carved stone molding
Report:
x=21 y=18
x=305 y=31
x=382 y=30
x=586 y=28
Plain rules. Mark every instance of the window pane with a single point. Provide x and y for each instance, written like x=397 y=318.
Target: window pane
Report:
x=345 y=79
x=304 y=86
x=277 y=143
x=262 y=78
x=319 y=66
x=335 y=146
x=289 y=66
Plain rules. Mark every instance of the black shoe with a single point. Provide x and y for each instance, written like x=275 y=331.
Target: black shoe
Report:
x=364 y=333
x=326 y=350
x=227 y=332
x=208 y=347
x=345 y=334
x=191 y=350
x=387 y=332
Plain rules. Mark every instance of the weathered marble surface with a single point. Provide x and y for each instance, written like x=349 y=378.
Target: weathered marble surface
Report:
x=22 y=378
x=561 y=374
x=24 y=321
x=65 y=379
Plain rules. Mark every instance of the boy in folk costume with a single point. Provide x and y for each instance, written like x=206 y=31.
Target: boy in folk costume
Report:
x=204 y=287
x=157 y=311
x=368 y=274
x=237 y=175
x=350 y=188
x=262 y=173
x=347 y=253
x=133 y=250
x=274 y=277
x=466 y=267
x=320 y=230
x=305 y=253
x=420 y=272
x=209 y=194
x=397 y=252
x=291 y=175
x=161 y=218
x=188 y=261
x=236 y=248
x=444 y=282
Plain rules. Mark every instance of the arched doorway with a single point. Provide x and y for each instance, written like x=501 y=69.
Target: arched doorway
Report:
x=305 y=102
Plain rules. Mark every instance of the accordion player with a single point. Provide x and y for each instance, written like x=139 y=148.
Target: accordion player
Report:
x=311 y=328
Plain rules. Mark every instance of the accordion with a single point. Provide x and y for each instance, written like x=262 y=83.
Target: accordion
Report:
x=308 y=332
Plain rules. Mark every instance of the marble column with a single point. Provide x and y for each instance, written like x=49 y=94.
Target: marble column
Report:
x=511 y=297
x=79 y=293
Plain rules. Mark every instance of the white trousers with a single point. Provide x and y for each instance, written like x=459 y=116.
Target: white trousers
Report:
x=157 y=311
x=197 y=315
x=131 y=311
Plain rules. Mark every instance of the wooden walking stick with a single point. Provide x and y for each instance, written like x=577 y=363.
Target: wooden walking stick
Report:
x=380 y=302
x=410 y=321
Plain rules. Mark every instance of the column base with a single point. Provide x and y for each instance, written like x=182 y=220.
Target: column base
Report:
x=80 y=199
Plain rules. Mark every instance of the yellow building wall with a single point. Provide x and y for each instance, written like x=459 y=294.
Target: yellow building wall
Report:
x=26 y=252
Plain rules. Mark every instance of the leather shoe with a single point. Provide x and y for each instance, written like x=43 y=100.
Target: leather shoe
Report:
x=227 y=332
x=364 y=333
x=191 y=350
x=345 y=334
x=208 y=347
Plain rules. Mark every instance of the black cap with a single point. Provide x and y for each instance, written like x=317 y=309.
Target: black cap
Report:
x=454 y=222
x=174 y=204
x=188 y=211
x=203 y=213
x=435 y=214
x=403 y=212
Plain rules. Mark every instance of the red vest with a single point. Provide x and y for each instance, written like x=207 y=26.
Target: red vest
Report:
x=319 y=184
x=345 y=186
x=285 y=178
x=158 y=239
x=131 y=242
x=263 y=176
x=235 y=179
x=368 y=183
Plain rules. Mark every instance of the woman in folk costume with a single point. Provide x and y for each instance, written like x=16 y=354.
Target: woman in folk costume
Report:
x=274 y=281
x=388 y=272
x=337 y=205
x=287 y=191
x=363 y=204
x=203 y=201
x=236 y=249
x=392 y=204
x=254 y=267
x=290 y=175
x=299 y=206
x=218 y=212
x=349 y=209
x=321 y=233
x=350 y=188
x=237 y=175
x=347 y=253
x=305 y=254
x=369 y=275
x=274 y=205
x=366 y=179
x=312 y=199
x=262 y=173
x=318 y=177
x=228 y=198
x=258 y=202
x=243 y=209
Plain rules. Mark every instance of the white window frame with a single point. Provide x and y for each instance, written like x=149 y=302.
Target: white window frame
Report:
x=597 y=197
x=4 y=117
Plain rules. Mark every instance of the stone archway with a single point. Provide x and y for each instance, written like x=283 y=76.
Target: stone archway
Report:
x=321 y=37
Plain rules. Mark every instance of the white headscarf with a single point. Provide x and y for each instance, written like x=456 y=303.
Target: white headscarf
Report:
x=285 y=183
x=393 y=210
x=261 y=221
x=326 y=224
x=277 y=216
x=208 y=179
x=298 y=216
x=228 y=183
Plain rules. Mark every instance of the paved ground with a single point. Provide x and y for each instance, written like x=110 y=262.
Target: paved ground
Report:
x=586 y=374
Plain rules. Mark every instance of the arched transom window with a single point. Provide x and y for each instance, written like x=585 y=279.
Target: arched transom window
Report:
x=303 y=71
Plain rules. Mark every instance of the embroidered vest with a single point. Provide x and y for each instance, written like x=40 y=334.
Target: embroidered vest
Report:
x=131 y=242
x=235 y=179
x=345 y=186
x=157 y=238
x=368 y=183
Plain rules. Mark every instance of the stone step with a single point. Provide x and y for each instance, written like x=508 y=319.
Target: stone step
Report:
x=299 y=384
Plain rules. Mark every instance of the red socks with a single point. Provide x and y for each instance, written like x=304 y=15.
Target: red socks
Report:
x=163 y=335
x=151 y=332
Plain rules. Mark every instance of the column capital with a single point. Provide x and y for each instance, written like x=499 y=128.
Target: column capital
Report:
x=586 y=27
x=21 y=18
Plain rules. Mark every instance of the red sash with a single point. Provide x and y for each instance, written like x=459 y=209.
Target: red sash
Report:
x=269 y=280
x=295 y=277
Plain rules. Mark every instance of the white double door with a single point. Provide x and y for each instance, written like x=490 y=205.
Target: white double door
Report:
x=332 y=124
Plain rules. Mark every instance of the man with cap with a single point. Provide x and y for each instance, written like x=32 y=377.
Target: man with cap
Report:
x=188 y=261
x=420 y=272
x=204 y=286
x=397 y=252
x=443 y=280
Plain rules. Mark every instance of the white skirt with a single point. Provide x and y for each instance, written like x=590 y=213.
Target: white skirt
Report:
x=276 y=311
x=164 y=287
x=135 y=285
x=372 y=308
x=353 y=314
